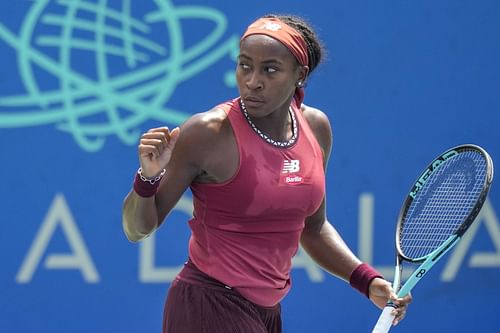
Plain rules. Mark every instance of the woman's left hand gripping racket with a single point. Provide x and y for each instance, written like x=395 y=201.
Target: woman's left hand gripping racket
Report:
x=439 y=209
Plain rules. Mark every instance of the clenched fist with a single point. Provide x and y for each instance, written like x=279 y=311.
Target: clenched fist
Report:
x=155 y=149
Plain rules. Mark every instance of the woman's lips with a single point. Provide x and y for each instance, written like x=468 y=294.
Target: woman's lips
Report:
x=253 y=102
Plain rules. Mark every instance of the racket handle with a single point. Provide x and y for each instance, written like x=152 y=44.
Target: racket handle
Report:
x=384 y=321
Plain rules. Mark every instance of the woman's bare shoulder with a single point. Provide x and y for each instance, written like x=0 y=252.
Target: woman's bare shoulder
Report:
x=320 y=125
x=315 y=117
x=204 y=127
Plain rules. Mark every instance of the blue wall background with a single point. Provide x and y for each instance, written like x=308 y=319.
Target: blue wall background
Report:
x=80 y=80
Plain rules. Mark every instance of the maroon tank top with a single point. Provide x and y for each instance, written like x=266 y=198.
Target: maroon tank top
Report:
x=246 y=230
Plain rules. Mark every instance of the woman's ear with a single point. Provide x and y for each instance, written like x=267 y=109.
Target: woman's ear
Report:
x=303 y=73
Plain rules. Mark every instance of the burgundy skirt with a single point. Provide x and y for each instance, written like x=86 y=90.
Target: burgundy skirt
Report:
x=196 y=303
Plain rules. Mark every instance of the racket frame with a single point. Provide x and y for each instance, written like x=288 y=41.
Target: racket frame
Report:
x=429 y=260
x=431 y=168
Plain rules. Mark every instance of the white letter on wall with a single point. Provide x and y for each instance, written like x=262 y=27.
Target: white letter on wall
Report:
x=79 y=258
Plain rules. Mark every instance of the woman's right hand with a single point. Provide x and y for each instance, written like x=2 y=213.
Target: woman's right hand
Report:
x=155 y=149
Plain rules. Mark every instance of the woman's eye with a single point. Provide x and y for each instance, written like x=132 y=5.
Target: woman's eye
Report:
x=244 y=66
x=271 y=69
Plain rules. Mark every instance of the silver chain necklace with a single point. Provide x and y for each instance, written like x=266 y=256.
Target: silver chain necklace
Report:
x=282 y=144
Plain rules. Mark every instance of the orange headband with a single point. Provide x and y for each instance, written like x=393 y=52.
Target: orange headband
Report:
x=282 y=32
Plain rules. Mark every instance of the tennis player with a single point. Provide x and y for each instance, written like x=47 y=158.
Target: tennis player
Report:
x=256 y=167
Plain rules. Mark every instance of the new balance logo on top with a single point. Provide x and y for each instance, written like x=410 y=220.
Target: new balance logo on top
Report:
x=268 y=26
x=290 y=166
x=289 y=173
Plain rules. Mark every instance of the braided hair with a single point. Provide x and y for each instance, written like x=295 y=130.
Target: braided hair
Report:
x=315 y=48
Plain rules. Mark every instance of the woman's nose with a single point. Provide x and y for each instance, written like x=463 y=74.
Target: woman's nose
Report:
x=254 y=82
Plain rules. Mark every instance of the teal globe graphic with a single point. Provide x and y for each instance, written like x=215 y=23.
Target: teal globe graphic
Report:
x=96 y=70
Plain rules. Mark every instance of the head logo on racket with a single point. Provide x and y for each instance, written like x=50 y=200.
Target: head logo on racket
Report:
x=433 y=167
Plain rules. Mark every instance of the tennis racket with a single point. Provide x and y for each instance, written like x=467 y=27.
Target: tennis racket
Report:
x=437 y=212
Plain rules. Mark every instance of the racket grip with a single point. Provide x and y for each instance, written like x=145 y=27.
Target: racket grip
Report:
x=384 y=322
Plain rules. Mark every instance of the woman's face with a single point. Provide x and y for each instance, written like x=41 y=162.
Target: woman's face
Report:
x=267 y=75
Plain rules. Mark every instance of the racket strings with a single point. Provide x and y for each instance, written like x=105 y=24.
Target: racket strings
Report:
x=442 y=204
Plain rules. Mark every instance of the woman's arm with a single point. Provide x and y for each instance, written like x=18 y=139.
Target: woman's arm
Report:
x=183 y=153
x=325 y=245
x=319 y=238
